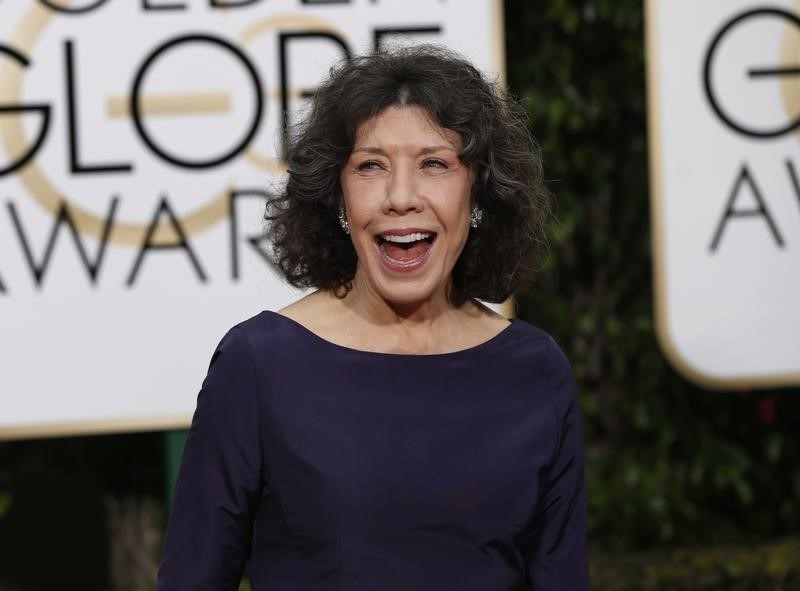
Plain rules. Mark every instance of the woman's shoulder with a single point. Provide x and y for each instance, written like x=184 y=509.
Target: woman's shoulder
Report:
x=531 y=335
x=263 y=335
x=536 y=348
x=290 y=329
x=266 y=331
x=313 y=311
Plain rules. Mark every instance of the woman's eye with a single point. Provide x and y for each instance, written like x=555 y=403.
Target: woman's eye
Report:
x=369 y=165
x=434 y=163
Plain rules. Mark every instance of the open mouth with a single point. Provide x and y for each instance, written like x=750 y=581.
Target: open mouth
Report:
x=405 y=248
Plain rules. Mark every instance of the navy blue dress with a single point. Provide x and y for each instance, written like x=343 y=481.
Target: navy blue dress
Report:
x=329 y=468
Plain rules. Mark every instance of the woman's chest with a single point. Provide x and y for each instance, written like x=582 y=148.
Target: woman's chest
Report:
x=364 y=451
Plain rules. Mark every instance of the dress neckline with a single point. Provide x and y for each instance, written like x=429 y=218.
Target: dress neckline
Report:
x=473 y=349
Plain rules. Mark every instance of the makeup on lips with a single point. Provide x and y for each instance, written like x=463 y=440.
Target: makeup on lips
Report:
x=405 y=249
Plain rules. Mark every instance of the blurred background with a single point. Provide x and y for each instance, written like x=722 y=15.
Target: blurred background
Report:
x=689 y=488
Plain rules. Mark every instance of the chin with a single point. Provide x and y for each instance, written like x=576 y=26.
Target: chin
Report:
x=427 y=282
x=409 y=292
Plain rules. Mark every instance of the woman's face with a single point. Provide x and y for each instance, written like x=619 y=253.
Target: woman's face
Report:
x=407 y=199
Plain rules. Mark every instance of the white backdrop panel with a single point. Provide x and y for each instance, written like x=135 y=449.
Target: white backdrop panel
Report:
x=724 y=85
x=128 y=348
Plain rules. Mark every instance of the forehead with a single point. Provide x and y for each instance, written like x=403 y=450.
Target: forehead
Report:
x=405 y=126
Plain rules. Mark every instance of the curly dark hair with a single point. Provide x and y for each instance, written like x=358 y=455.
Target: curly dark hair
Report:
x=500 y=256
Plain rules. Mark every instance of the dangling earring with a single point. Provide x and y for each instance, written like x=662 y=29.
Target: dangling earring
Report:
x=475 y=217
x=343 y=221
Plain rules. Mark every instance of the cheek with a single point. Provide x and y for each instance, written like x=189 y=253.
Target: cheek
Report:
x=346 y=189
x=459 y=204
x=354 y=200
x=359 y=213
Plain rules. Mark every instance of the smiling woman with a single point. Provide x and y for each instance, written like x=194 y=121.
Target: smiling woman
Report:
x=406 y=195
x=481 y=126
x=389 y=431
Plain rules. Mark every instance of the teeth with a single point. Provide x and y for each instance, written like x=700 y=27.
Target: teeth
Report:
x=406 y=238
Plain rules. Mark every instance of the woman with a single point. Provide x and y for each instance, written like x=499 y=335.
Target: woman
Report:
x=389 y=431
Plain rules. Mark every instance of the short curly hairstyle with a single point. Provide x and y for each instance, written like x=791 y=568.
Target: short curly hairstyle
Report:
x=500 y=256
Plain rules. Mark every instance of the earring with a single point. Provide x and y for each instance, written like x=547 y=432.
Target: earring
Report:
x=475 y=217
x=343 y=221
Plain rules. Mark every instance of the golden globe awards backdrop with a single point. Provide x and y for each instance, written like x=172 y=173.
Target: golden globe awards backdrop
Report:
x=138 y=142
x=724 y=91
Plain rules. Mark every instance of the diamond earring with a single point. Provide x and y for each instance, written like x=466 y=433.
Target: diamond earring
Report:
x=343 y=221
x=475 y=217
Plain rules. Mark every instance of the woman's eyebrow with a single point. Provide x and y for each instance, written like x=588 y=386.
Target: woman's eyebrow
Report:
x=425 y=150
x=438 y=148
x=370 y=150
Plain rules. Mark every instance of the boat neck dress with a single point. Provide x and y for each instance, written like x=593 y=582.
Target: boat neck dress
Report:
x=326 y=468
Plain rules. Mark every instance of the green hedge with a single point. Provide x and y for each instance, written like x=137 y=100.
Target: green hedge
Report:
x=668 y=463
x=771 y=567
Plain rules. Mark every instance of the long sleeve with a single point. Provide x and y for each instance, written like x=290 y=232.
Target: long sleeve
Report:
x=557 y=558
x=218 y=488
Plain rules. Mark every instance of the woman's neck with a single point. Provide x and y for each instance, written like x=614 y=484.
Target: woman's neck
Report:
x=368 y=304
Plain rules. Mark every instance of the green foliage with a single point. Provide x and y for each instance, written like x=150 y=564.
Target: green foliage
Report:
x=667 y=463
x=5 y=503
x=6 y=498
x=771 y=567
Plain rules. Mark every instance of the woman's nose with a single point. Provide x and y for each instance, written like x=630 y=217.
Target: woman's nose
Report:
x=402 y=194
